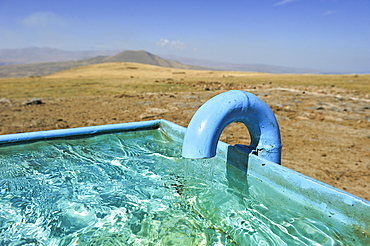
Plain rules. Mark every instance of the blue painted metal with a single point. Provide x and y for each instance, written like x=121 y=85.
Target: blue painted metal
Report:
x=32 y=136
x=210 y=120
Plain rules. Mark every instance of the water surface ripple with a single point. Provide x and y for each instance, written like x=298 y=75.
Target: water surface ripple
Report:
x=135 y=189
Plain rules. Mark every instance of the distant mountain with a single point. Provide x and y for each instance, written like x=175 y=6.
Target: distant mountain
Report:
x=44 y=54
x=44 y=61
x=245 y=67
x=142 y=56
x=46 y=68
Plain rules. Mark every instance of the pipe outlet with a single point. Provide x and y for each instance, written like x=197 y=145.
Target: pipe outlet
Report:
x=205 y=128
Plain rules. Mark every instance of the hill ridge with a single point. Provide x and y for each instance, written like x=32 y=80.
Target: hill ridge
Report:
x=47 y=68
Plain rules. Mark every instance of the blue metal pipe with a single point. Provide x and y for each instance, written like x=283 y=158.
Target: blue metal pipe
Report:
x=205 y=128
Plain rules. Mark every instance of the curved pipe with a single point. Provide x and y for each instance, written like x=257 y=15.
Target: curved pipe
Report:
x=205 y=128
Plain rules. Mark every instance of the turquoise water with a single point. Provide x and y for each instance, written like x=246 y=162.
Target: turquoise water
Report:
x=133 y=188
x=117 y=189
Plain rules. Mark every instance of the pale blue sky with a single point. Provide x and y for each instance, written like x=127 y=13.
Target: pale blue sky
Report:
x=321 y=34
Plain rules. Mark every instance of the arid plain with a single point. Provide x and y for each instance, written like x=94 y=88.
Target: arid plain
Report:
x=324 y=119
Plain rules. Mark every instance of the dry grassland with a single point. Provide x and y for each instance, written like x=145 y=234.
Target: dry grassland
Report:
x=134 y=78
x=324 y=119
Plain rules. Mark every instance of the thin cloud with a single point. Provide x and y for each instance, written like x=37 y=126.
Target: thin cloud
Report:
x=284 y=2
x=43 y=19
x=171 y=44
x=330 y=12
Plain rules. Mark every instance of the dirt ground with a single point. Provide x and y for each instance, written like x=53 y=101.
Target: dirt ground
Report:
x=325 y=136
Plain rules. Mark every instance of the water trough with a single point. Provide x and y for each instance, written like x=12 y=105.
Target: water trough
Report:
x=157 y=182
